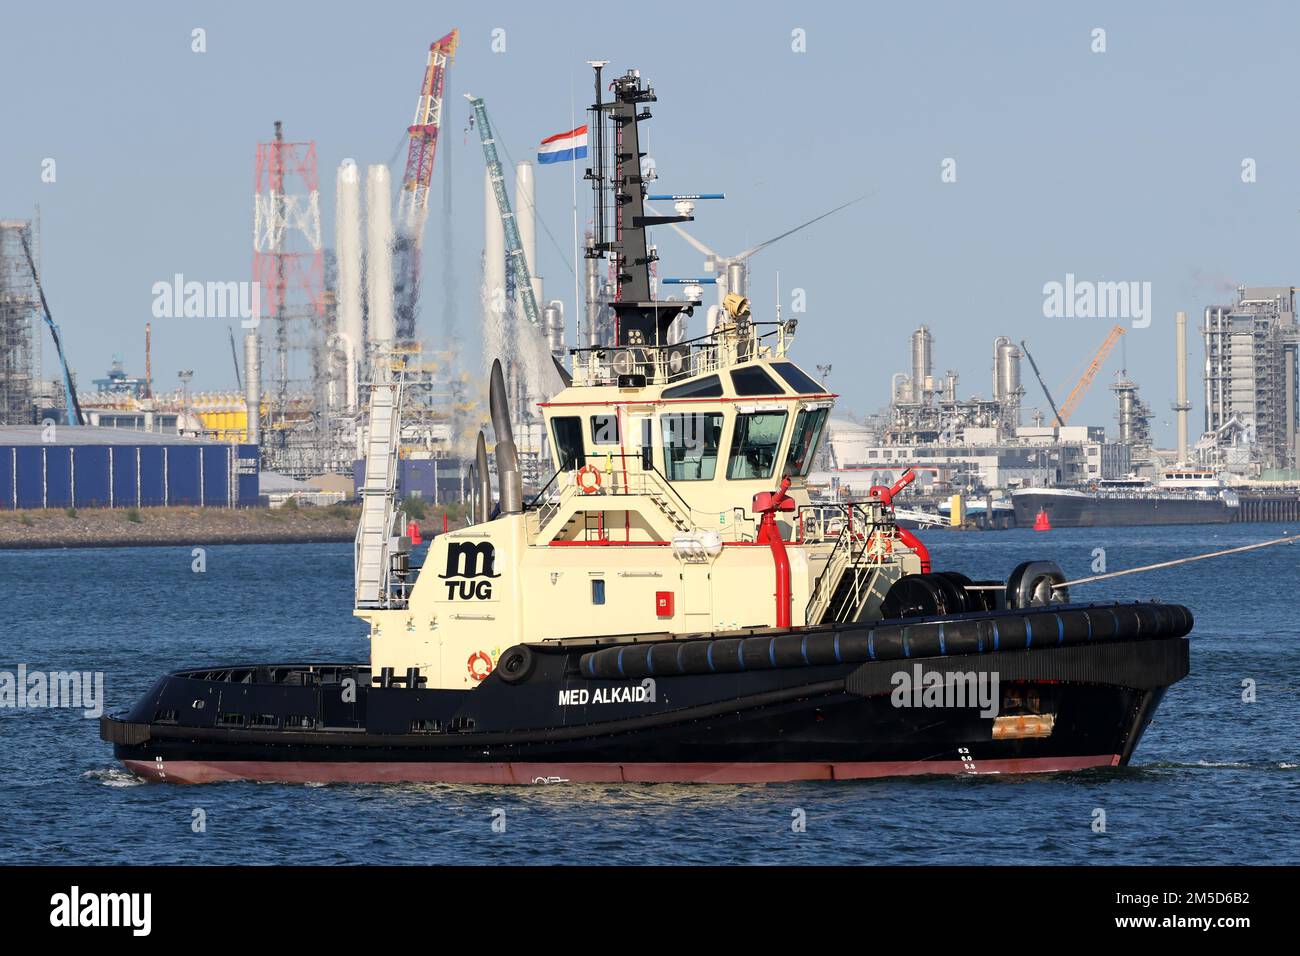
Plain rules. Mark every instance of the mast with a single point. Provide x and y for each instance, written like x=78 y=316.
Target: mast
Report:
x=639 y=320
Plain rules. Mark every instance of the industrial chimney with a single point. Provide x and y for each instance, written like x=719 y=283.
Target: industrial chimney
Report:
x=494 y=257
x=1182 y=406
x=379 y=255
x=526 y=218
x=253 y=387
x=347 y=228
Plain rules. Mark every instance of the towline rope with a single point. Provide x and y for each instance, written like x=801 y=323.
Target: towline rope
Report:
x=1177 y=561
x=1148 y=567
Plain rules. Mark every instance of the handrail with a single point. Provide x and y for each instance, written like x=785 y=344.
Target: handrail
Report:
x=859 y=525
x=707 y=337
x=651 y=481
x=727 y=345
x=538 y=497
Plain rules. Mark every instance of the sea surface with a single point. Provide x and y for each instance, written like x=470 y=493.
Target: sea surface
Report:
x=1215 y=780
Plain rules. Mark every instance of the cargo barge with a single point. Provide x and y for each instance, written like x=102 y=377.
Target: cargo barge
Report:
x=1182 y=496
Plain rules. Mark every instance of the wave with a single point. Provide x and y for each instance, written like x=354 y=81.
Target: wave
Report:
x=113 y=777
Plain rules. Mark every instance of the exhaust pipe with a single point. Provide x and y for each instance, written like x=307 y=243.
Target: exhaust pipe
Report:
x=509 y=480
x=482 y=482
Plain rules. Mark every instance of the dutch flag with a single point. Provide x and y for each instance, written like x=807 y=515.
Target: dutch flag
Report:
x=563 y=147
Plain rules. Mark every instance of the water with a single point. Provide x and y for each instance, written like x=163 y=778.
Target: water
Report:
x=1214 y=781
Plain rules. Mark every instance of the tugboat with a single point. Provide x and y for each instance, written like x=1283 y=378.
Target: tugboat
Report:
x=672 y=606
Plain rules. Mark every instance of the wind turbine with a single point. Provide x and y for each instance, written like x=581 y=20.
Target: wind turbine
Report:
x=732 y=272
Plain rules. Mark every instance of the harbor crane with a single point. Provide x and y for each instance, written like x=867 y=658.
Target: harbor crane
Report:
x=413 y=199
x=1080 y=389
x=73 y=404
x=1039 y=375
x=1072 y=400
x=514 y=246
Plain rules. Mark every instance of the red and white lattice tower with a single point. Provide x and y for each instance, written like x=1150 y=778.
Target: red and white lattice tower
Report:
x=288 y=263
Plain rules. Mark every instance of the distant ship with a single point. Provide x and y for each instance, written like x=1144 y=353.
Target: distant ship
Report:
x=1181 y=496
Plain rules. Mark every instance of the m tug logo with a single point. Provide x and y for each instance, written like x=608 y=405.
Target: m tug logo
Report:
x=466 y=561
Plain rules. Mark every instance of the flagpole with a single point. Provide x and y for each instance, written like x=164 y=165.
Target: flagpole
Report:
x=577 y=305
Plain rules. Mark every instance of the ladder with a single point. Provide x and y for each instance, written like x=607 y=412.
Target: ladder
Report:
x=378 y=491
x=514 y=247
x=851 y=576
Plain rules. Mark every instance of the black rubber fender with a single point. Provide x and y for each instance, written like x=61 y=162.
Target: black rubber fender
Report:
x=977 y=633
x=1032 y=584
x=516 y=664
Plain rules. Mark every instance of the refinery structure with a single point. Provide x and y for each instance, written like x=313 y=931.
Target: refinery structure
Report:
x=337 y=313
x=972 y=443
x=1251 y=348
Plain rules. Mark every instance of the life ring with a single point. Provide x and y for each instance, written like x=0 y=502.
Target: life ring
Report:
x=484 y=665
x=585 y=486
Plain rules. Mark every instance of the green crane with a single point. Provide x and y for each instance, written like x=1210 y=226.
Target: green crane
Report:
x=514 y=247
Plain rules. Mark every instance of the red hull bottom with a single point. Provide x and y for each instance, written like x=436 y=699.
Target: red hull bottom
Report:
x=269 y=771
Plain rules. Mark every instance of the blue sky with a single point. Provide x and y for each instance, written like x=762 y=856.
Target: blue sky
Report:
x=1122 y=165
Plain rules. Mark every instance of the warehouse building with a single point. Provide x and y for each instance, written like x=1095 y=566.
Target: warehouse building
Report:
x=85 y=467
x=437 y=480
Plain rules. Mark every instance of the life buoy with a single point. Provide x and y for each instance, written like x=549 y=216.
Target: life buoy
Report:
x=588 y=479
x=480 y=665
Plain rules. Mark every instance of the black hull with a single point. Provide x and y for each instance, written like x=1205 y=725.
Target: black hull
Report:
x=1060 y=706
x=1086 y=511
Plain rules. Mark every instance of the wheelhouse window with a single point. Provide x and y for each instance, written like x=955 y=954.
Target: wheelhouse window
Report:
x=797 y=378
x=691 y=445
x=708 y=387
x=807 y=435
x=752 y=380
x=754 y=443
x=604 y=429
x=567 y=432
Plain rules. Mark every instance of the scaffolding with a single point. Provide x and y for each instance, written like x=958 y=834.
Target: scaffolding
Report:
x=19 y=325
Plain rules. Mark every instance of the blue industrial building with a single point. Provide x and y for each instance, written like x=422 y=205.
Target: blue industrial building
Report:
x=85 y=467
x=438 y=480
